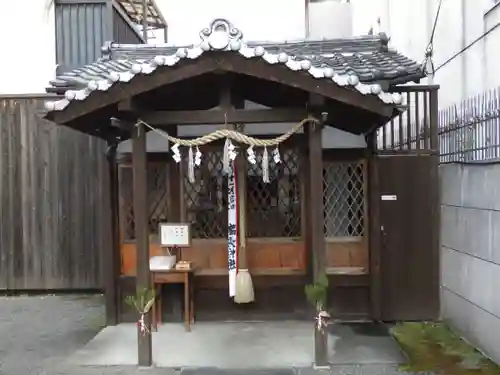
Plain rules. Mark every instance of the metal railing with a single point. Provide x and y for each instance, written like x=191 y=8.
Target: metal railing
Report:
x=470 y=130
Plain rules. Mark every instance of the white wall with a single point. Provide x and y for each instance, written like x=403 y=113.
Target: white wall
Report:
x=460 y=23
x=491 y=42
x=259 y=20
x=330 y=19
x=27 y=37
x=364 y=15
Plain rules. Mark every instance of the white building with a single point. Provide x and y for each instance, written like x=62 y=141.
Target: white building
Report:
x=465 y=41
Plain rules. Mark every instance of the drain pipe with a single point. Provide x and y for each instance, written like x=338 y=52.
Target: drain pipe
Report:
x=145 y=20
x=306 y=19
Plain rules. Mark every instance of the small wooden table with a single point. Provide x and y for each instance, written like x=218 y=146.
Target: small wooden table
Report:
x=174 y=276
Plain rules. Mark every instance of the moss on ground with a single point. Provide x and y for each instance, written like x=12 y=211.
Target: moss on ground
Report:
x=435 y=347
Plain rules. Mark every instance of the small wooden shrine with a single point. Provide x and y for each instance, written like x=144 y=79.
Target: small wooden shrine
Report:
x=298 y=123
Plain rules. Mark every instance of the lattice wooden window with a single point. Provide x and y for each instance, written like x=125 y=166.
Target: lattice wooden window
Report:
x=274 y=210
x=157 y=198
x=206 y=198
x=344 y=198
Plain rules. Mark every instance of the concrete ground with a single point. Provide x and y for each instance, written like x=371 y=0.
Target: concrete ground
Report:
x=47 y=335
x=240 y=345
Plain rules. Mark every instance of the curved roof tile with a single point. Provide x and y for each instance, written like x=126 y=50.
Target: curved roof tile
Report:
x=360 y=62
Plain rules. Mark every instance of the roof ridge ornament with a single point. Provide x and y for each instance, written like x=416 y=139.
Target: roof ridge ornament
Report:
x=221 y=35
x=384 y=41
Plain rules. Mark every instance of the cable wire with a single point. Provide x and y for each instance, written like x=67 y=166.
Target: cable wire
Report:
x=430 y=47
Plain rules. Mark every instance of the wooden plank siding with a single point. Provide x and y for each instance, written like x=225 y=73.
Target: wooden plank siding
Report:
x=52 y=201
x=267 y=256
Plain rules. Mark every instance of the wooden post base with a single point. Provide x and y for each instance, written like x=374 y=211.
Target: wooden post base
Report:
x=321 y=348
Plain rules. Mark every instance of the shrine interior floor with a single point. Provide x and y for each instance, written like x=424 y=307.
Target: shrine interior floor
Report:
x=243 y=345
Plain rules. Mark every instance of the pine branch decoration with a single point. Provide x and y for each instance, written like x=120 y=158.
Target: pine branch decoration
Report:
x=142 y=301
x=317 y=292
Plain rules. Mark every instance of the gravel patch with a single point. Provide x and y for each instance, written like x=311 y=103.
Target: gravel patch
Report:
x=38 y=331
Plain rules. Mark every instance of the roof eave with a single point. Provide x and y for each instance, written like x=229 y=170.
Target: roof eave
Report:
x=406 y=79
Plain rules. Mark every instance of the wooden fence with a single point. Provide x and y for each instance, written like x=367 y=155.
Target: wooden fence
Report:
x=52 y=201
x=415 y=130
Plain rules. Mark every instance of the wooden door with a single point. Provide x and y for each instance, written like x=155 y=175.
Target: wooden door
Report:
x=409 y=242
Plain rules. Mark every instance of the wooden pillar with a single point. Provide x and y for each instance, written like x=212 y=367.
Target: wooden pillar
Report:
x=436 y=191
x=143 y=280
x=241 y=183
x=111 y=252
x=174 y=294
x=433 y=120
x=374 y=232
x=306 y=213
x=316 y=223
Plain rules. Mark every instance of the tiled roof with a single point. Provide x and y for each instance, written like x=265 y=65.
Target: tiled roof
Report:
x=367 y=57
x=361 y=62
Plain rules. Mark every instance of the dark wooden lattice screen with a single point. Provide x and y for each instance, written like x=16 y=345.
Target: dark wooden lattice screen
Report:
x=157 y=198
x=206 y=198
x=344 y=198
x=273 y=209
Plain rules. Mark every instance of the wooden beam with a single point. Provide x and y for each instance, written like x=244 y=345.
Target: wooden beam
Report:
x=101 y=128
x=111 y=251
x=279 y=73
x=211 y=117
x=142 y=83
x=225 y=94
x=316 y=223
x=127 y=110
x=127 y=105
x=141 y=216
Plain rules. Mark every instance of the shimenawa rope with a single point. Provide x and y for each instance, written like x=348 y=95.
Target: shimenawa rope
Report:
x=230 y=134
x=229 y=149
